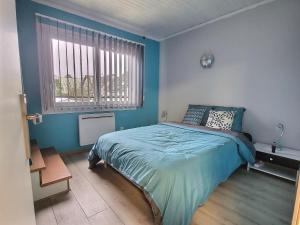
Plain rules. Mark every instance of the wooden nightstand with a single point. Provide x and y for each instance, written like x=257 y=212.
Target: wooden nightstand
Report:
x=283 y=163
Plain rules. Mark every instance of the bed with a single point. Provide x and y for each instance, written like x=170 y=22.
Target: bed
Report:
x=177 y=166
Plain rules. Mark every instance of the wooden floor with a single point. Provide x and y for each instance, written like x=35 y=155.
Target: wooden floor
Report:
x=103 y=197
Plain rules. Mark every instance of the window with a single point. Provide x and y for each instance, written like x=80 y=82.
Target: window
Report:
x=85 y=70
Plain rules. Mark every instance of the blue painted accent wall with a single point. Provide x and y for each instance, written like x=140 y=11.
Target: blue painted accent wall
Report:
x=61 y=130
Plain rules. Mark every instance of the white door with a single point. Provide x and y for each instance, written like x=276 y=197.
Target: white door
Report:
x=16 y=203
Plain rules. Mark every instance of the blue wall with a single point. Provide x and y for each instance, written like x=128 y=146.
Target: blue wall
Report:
x=61 y=130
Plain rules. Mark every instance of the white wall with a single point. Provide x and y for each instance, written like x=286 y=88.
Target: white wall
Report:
x=257 y=66
x=16 y=202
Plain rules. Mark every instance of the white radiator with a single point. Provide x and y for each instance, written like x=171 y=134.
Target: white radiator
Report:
x=91 y=126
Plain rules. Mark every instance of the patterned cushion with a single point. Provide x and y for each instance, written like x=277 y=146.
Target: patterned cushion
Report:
x=194 y=115
x=205 y=116
x=220 y=119
x=238 y=116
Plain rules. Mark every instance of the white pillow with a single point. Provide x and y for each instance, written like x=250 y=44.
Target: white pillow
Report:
x=220 y=119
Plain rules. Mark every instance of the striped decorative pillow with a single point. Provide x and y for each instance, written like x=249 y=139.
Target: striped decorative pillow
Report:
x=194 y=115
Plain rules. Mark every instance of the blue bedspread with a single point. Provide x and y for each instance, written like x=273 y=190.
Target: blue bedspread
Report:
x=178 y=166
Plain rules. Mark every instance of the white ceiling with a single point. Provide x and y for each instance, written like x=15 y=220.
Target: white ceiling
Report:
x=157 y=19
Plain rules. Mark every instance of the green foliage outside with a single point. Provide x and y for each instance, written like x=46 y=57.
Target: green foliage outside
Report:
x=70 y=88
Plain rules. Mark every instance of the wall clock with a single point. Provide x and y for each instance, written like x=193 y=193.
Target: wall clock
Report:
x=207 y=60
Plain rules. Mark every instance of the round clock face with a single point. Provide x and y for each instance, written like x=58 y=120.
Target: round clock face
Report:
x=207 y=60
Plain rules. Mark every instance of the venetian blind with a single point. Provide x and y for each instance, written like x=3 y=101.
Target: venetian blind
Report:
x=86 y=70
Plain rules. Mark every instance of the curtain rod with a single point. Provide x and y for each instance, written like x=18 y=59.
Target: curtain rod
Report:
x=86 y=28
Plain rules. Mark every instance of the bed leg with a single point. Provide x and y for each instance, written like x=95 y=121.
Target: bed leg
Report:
x=93 y=162
x=105 y=164
x=248 y=167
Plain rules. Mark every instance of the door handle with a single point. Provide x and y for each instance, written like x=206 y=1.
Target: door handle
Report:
x=35 y=118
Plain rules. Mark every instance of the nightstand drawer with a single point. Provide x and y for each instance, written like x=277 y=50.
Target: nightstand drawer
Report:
x=290 y=163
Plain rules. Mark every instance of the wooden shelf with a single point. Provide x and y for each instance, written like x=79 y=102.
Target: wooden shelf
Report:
x=276 y=170
x=36 y=157
x=55 y=170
